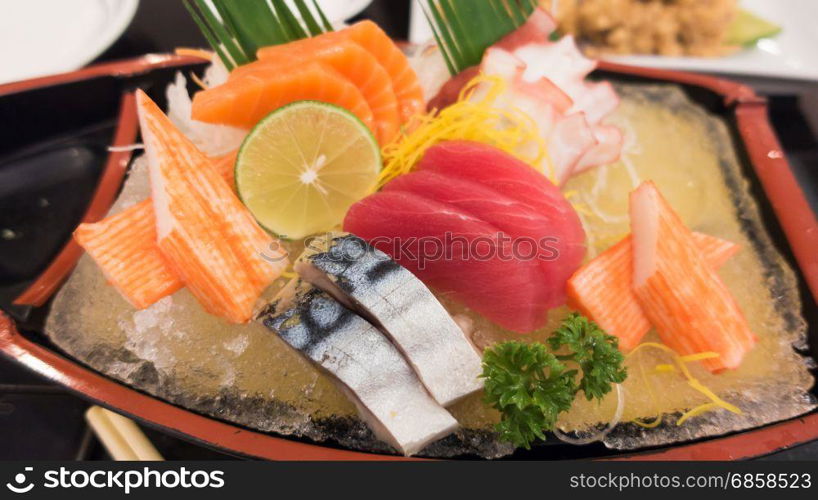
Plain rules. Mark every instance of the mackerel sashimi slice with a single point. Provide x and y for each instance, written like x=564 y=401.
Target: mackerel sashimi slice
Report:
x=205 y=233
x=481 y=226
x=379 y=289
x=370 y=370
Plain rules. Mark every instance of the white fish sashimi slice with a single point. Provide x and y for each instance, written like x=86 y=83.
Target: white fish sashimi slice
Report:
x=370 y=370
x=399 y=304
x=597 y=100
x=561 y=62
x=502 y=63
x=564 y=64
x=607 y=150
x=570 y=140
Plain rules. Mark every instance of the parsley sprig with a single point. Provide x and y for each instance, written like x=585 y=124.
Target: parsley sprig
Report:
x=531 y=385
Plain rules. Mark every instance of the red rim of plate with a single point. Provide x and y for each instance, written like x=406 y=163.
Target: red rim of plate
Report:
x=762 y=147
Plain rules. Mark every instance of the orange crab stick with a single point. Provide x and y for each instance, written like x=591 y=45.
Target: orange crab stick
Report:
x=207 y=236
x=680 y=293
x=124 y=247
x=602 y=289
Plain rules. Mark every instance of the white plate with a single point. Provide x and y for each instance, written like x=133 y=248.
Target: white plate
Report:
x=341 y=10
x=793 y=53
x=40 y=37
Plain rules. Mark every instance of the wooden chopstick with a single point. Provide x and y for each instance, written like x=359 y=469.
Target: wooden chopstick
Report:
x=121 y=436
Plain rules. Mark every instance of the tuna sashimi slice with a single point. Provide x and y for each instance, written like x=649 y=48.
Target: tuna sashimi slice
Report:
x=571 y=140
x=124 y=247
x=495 y=169
x=368 y=368
x=207 y=236
x=357 y=64
x=540 y=235
x=245 y=100
x=680 y=293
x=455 y=253
x=602 y=289
x=376 y=287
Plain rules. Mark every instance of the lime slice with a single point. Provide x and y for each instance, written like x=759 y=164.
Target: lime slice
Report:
x=302 y=167
x=747 y=28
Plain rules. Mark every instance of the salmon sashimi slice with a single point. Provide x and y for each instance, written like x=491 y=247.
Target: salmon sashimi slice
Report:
x=357 y=64
x=602 y=289
x=404 y=79
x=207 y=236
x=678 y=290
x=245 y=100
x=372 y=38
x=124 y=247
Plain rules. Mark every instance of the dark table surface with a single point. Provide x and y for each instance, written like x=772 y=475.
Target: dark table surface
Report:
x=41 y=420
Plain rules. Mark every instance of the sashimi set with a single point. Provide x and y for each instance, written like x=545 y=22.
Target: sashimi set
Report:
x=421 y=237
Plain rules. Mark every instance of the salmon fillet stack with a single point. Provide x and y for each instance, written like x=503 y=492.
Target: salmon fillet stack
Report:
x=358 y=68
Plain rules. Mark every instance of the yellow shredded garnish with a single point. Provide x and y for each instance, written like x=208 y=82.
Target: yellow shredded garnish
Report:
x=699 y=356
x=200 y=53
x=289 y=274
x=680 y=364
x=648 y=425
x=695 y=412
x=467 y=119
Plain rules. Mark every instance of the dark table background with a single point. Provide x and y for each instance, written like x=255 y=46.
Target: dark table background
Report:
x=41 y=420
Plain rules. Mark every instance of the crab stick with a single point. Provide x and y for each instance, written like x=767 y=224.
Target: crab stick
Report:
x=205 y=233
x=124 y=247
x=678 y=290
x=602 y=289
